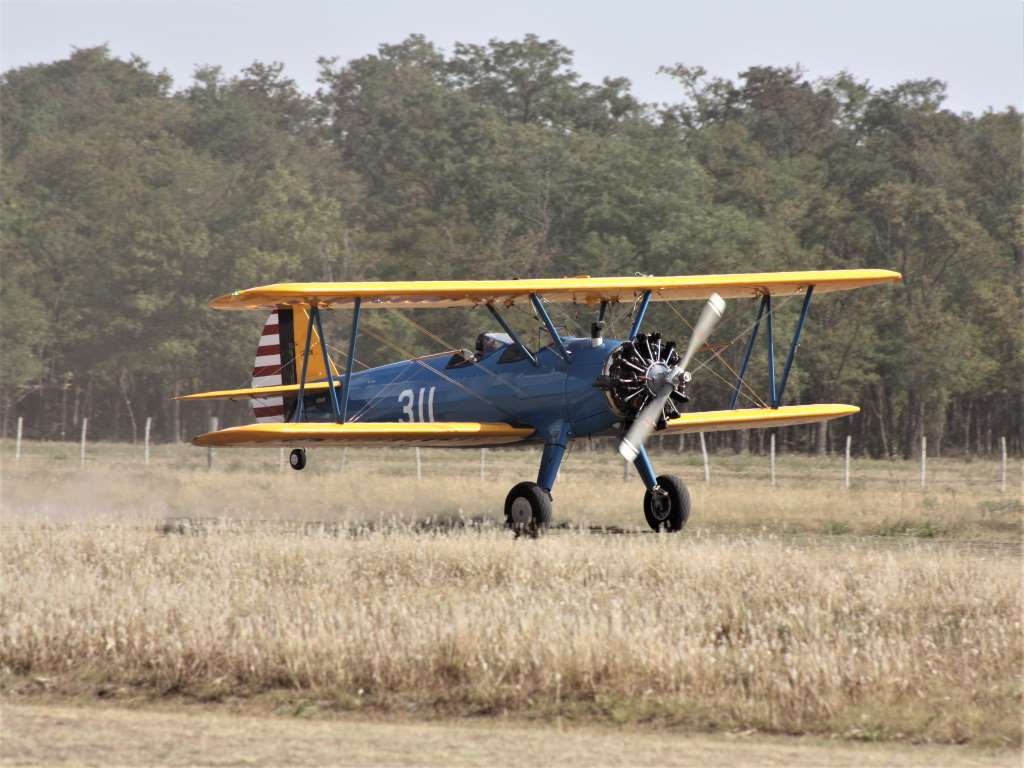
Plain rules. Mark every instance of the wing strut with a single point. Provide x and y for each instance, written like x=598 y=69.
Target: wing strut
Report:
x=353 y=336
x=340 y=410
x=300 y=409
x=792 y=346
x=770 y=331
x=764 y=310
x=551 y=326
x=335 y=408
x=640 y=312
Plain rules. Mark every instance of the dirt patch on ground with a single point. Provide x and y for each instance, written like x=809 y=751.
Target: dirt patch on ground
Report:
x=80 y=736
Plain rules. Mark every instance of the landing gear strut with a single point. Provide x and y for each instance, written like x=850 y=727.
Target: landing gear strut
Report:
x=528 y=505
x=297 y=458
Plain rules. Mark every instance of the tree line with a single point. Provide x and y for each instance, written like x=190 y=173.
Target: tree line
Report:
x=128 y=204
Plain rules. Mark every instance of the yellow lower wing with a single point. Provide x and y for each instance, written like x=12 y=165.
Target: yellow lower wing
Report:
x=759 y=418
x=438 y=434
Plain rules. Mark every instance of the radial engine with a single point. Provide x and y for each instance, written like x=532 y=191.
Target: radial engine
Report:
x=634 y=373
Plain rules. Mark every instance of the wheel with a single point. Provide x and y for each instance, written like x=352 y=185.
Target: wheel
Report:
x=528 y=509
x=668 y=508
x=297 y=458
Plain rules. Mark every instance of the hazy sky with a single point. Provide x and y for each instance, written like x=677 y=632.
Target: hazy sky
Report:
x=973 y=45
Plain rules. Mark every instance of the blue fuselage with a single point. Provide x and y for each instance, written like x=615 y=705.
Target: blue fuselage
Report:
x=553 y=396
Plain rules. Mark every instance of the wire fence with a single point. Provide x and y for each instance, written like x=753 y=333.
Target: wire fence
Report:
x=588 y=457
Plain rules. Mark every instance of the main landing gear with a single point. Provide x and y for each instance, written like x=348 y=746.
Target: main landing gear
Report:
x=667 y=501
x=528 y=505
x=667 y=507
x=528 y=509
x=297 y=458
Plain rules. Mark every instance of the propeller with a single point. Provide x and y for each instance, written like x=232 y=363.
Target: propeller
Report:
x=647 y=420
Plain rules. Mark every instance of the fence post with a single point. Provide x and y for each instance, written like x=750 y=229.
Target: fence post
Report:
x=771 y=456
x=483 y=464
x=209 y=451
x=704 y=453
x=419 y=465
x=1003 y=455
x=81 y=452
x=924 y=462
x=149 y=424
x=17 y=443
x=846 y=471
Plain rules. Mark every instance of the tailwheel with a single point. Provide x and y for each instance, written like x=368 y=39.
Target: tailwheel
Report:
x=297 y=458
x=528 y=509
x=667 y=507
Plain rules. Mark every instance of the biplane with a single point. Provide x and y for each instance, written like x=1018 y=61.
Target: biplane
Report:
x=507 y=392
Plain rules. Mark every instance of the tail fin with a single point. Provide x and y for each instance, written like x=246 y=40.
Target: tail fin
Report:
x=279 y=361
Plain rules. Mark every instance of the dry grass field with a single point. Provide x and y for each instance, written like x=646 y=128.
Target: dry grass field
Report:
x=881 y=612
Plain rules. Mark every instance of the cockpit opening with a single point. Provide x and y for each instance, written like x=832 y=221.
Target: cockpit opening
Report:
x=486 y=344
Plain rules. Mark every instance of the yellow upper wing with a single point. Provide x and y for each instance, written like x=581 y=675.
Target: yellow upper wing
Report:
x=585 y=290
x=436 y=434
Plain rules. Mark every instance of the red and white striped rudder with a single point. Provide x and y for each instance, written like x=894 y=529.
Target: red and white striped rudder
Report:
x=267 y=371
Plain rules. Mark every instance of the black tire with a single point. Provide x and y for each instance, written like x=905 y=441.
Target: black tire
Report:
x=528 y=509
x=671 y=511
x=297 y=459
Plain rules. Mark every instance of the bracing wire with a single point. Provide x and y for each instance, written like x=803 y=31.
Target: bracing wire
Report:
x=568 y=315
x=402 y=370
x=718 y=353
x=436 y=372
x=448 y=346
x=753 y=396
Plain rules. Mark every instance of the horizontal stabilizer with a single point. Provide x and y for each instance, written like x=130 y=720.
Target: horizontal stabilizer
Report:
x=759 y=418
x=287 y=390
x=437 y=434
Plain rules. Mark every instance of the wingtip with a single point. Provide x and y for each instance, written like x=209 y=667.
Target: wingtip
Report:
x=227 y=301
x=887 y=275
